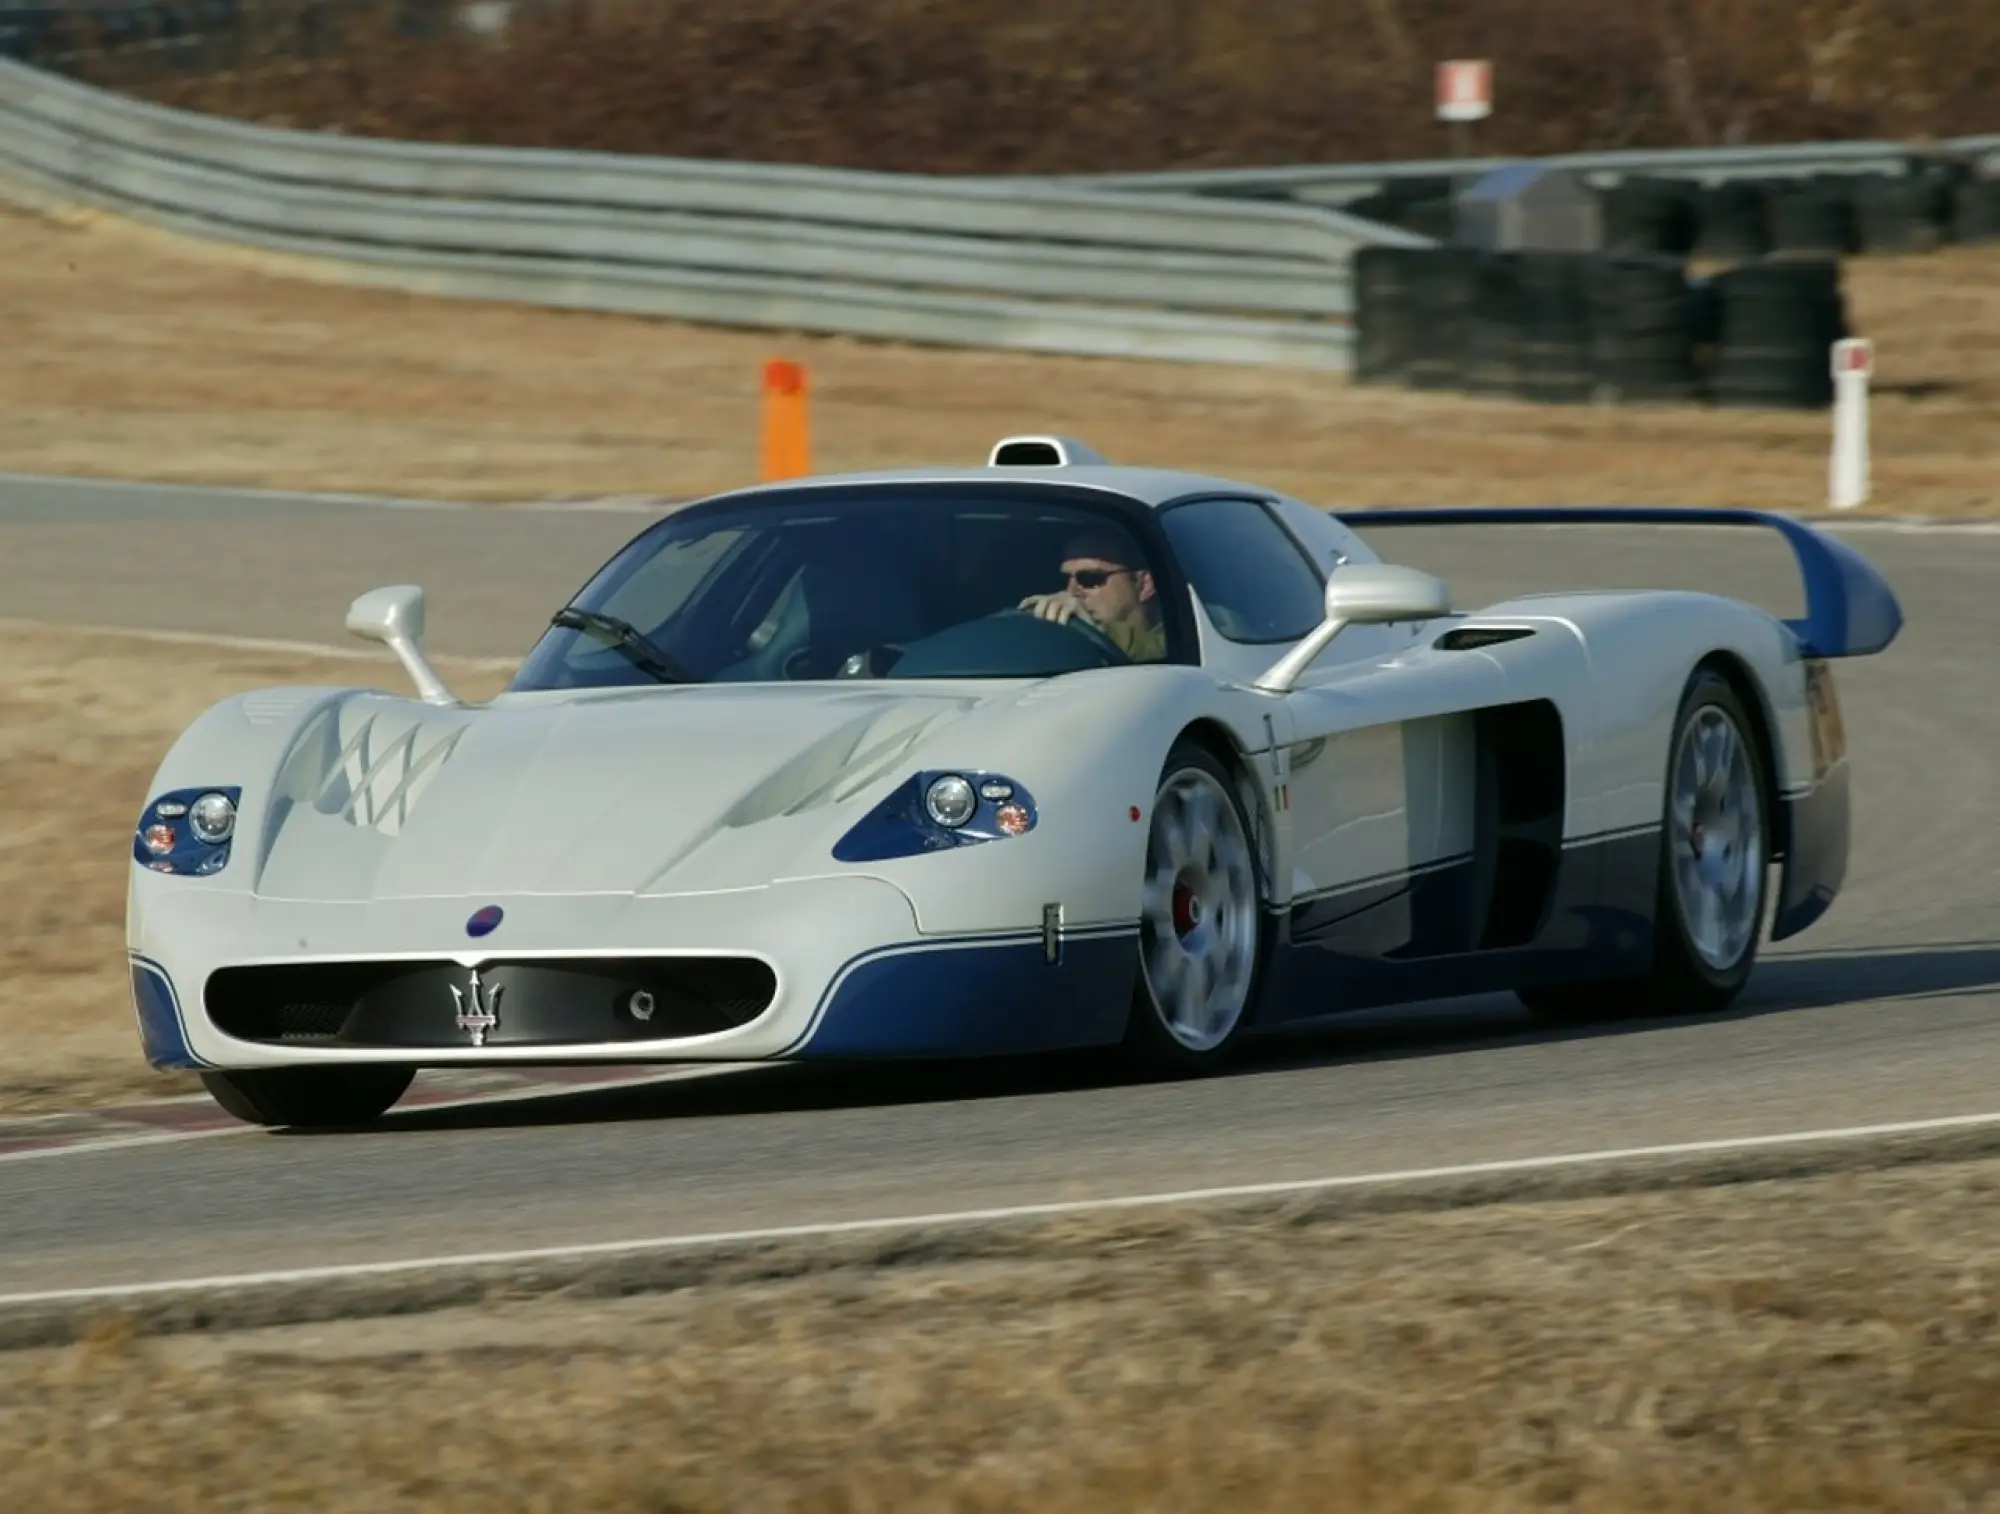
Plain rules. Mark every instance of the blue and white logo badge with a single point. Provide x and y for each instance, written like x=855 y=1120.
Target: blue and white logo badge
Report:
x=484 y=922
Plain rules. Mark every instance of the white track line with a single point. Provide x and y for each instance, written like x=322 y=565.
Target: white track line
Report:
x=1049 y=1210
x=470 y=1101
x=82 y=483
x=245 y=643
x=122 y=1143
x=620 y=504
x=610 y=504
x=1915 y=525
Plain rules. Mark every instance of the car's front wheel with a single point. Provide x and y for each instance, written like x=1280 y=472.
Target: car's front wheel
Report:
x=309 y=1096
x=1713 y=871
x=1201 y=919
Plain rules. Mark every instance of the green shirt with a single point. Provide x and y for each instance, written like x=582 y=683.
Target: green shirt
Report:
x=1140 y=642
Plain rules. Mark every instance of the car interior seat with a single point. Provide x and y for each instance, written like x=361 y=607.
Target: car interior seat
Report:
x=857 y=599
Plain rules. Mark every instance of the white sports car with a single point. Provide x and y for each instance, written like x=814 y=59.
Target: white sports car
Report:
x=1046 y=754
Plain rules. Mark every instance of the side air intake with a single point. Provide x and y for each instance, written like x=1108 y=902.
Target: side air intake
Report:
x=1041 y=452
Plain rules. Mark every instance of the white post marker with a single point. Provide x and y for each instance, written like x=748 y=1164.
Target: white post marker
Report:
x=1465 y=89
x=1853 y=366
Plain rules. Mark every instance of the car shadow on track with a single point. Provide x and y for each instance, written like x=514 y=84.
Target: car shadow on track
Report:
x=1782 y=985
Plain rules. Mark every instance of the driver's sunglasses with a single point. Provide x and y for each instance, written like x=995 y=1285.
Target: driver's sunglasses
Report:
x=1096 y=578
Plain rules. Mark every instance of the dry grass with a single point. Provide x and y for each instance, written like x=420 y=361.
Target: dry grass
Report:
x=1828 y=1345
x=84 y=720
x=135 y=356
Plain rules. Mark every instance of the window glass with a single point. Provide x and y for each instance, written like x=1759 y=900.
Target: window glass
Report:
x=890 y=583
x=662 y=583
x=1254 y=581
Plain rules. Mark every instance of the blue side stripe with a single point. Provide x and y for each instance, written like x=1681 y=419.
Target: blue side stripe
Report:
x=939 y=947
x=162 y=1030
x=1850 y=609
x=979 y=999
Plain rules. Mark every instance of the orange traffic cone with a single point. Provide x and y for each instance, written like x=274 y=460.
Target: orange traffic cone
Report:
x=787 y=449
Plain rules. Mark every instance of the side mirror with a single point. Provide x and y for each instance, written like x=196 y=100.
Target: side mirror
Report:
x=1356 y=595
x=395 y=617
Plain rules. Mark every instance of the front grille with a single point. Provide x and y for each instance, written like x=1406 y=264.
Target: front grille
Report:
x=542 y=1002
x=309 y=1022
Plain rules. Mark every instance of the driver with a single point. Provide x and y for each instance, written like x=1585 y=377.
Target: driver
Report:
x=1108 y=591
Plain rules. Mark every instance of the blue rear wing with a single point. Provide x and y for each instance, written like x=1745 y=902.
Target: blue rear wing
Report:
x=1850 y=609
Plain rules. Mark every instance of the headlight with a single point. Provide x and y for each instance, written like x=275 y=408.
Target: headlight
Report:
x=950 y=801
x=932 y=811
x=212 y=818
x=187 y=831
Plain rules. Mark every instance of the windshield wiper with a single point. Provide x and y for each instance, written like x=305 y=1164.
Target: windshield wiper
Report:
x=628 y=639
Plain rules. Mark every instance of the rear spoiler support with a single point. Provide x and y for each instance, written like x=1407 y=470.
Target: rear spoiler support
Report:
x=1850 y=609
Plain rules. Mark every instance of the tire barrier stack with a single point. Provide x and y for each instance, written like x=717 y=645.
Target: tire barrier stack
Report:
x=1904 y=215
x=1776 y=324
x=1635 y=323
x=1441 y=291
x=1607 y=328
x=1813 y=218
x=1937 y=202
x=1975 y=211
x=1934 y=204
x=1647 y=326
x=1423 y=205
x=1733 y=224
x=1651 y=215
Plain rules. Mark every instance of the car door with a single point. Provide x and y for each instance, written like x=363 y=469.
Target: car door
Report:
x=1364 y=743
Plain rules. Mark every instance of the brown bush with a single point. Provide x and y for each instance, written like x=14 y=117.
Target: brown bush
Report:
x=1003 y=86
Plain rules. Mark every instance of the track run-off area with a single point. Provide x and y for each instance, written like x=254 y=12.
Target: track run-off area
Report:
x=1885 y=1014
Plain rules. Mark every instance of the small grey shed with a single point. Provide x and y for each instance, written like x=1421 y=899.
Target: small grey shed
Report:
x=1527 y=207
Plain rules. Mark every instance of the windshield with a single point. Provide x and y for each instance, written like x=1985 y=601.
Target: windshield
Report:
x=856 y=583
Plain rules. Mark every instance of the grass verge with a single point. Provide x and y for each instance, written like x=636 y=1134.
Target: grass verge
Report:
x=134 y=355
x=1824 y=1344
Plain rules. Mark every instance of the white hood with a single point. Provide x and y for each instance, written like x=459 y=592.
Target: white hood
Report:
x=647 y=791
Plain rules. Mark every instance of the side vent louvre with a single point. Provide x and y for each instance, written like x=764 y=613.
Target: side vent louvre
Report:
x=1041 y=452
x=1470 y=638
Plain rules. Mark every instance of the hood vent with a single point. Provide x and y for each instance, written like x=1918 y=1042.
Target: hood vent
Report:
x=371 y=774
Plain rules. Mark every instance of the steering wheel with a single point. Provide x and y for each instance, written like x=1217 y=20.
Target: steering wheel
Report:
x=1083 y=625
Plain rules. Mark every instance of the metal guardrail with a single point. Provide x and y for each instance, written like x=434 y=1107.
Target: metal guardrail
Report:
x=1343 y=183
x=1030 y=265
x=1220 y=265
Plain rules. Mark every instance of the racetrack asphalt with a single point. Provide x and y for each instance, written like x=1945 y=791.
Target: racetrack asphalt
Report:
x=1888 y=1010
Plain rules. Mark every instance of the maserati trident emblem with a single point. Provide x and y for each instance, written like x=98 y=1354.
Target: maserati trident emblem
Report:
x=478 y=1009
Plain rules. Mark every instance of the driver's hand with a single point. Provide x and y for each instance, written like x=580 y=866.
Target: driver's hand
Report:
x=1058 y=607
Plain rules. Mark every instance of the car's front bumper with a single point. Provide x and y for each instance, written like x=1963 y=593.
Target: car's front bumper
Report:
x=840 y=966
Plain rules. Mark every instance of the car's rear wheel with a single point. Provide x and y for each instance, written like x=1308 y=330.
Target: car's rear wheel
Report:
x=1201 y=919
x=309 y=1096
x=1713 y=871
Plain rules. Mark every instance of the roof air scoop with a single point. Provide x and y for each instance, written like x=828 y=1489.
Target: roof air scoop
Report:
x=1042 y=452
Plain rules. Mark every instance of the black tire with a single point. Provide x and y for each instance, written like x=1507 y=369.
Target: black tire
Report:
x=342 y=1097
x=1384 y=327
x=1150 y=1046
x=1651 y=217
x=1679 y=981
x=1733 y=221
x=1778 y=322
x=1640 y=316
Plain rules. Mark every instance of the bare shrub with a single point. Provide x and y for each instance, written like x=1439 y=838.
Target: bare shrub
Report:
x=1001 y=86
